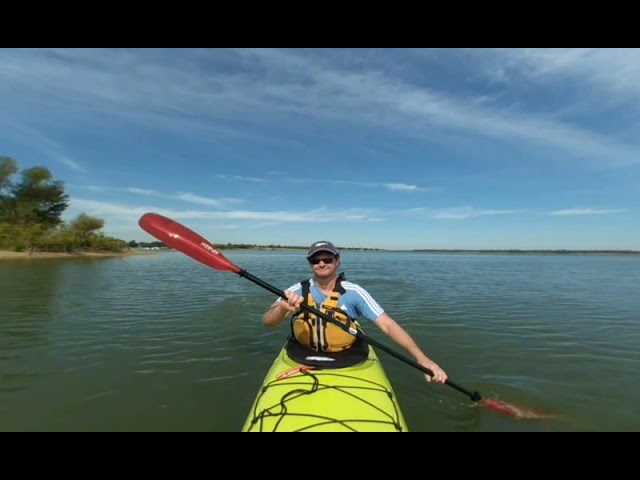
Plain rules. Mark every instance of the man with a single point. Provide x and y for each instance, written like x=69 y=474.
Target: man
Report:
x=355 y=302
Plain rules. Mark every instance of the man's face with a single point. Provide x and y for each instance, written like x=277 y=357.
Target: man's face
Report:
x=324 y=264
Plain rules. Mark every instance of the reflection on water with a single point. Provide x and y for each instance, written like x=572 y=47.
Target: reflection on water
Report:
x=28 y=299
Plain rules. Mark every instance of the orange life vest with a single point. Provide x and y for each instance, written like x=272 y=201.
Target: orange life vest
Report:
x=317 y=333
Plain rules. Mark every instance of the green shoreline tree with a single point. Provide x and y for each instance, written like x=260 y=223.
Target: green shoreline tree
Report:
x=31 y=215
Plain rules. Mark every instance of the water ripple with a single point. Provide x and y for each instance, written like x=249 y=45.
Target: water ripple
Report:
x=151 y=343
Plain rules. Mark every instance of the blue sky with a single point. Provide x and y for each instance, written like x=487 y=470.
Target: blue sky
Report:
x=398 y=149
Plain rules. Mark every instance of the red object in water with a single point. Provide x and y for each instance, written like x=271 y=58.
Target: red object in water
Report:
x=511 y=410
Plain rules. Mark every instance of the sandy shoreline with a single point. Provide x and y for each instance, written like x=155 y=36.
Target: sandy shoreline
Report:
x=9 y=255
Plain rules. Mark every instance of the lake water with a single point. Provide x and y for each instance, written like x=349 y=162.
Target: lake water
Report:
x=163 y=343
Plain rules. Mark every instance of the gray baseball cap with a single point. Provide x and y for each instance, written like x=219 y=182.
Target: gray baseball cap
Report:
x=323 y=246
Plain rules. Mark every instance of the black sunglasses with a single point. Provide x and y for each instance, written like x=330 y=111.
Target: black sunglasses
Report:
x=316 y=261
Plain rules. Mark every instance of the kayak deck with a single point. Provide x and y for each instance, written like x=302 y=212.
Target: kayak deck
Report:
x=296 y=398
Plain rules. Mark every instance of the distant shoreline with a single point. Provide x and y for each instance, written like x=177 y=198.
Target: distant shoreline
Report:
x=531 y=252
x=9 y=255
x=523 y=252
x=448 y=252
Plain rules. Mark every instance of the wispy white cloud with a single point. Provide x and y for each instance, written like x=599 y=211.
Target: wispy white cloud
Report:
x=182 y=196
x=468 y=212
x=142 y=191
x=89 y=188
x=396 y=100
x=615 y=71
x=69 y=162
x=241 y=178
x=298 y=180
x=457 y=213
x=320 y=215
x=209 y=202
x=36 y=139
x=402 y=187
x=587 y=211
x=394 y=187
x=220 y=87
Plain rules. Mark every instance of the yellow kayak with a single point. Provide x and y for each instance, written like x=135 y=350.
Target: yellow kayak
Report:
x=308 y=391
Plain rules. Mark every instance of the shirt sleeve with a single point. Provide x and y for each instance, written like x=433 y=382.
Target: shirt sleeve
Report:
x=365 y=304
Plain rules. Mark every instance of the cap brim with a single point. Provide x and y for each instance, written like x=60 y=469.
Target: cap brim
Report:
x=332 y=252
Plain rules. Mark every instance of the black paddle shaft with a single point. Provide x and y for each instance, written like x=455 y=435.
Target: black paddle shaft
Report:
x=475 y=396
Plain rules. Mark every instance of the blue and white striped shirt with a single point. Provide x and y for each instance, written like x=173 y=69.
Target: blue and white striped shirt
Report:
x=356 y=302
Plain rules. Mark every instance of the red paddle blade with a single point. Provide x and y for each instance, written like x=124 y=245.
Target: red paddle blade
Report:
x=178 y=236
x=512 y=410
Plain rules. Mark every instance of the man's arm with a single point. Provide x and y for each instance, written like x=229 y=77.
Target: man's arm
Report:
x=276 y=314
x=398 y=334
x=282 y=309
